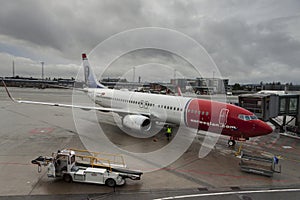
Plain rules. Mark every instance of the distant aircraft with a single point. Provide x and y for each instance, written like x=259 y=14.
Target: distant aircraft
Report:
x=140 y=110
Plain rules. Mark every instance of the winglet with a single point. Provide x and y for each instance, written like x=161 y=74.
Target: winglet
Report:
x=8 y=93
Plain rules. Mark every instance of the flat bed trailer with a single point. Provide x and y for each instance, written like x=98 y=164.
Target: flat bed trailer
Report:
x=257 y=164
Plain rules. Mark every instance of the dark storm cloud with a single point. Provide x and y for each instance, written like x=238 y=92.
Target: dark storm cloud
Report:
x=66 y=25
x=155 y=58
x=29 y=21
x=241 y=49
x=250 y=41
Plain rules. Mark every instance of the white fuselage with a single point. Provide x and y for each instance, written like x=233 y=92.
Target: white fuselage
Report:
x=140 y=109
x=166 y=108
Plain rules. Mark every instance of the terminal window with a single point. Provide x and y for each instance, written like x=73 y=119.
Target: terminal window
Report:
x=293 y=104
x=282 y=105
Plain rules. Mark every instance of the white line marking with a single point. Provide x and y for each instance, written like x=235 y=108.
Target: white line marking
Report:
x=228 y=193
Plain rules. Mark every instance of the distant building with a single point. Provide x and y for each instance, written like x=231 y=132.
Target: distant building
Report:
x=197 y=85
x=38 y=83
x=118 y=83
x=279 y=86
x=202 y=85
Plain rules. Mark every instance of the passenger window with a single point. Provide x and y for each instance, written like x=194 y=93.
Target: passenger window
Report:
x=206 y=113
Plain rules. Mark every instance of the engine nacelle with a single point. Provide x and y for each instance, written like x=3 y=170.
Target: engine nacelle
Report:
x=137 y=122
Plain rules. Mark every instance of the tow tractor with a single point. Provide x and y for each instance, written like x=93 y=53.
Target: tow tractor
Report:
x=87 y=167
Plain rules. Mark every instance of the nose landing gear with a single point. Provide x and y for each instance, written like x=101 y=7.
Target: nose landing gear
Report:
x=231 y=143
x=232 y=140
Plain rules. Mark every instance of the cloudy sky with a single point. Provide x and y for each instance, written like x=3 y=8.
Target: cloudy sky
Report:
x=250 y=41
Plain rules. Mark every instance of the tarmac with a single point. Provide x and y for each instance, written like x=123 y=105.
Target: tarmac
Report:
x=28 y=131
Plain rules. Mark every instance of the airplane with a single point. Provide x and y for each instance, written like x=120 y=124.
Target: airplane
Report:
x=140 y=110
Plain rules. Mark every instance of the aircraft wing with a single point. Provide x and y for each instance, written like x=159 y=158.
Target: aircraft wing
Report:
x=98 y=108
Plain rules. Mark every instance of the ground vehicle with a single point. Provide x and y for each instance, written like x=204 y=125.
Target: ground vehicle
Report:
x=94 y=175
x=84 y=166
x=262 y=165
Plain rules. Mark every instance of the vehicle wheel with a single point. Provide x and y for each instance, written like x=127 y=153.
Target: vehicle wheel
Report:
x=231 y=143
x=124 y=182
x=67 y=178
x=110 y=182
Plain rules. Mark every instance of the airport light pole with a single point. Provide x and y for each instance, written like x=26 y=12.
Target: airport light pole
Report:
x=42 y=69
x=133 y=74
x=13 y=68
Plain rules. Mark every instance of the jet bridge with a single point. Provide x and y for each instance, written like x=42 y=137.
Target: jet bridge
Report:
x=279 y=108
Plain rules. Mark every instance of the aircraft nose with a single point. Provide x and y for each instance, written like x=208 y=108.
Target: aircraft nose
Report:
x=264 y=128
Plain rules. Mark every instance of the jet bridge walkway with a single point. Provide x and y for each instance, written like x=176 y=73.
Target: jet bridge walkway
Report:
x=281 y=109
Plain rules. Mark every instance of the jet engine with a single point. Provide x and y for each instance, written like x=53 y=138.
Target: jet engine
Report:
x=137 y=122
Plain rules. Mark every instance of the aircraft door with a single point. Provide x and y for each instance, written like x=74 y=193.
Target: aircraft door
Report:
x=223 y=116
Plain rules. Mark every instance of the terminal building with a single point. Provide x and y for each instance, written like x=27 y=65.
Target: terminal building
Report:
x=202 y=85
x=38 y=83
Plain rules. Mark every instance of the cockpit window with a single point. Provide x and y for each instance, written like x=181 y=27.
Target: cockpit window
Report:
x=253 y=117
x=247 y=117
x=241 y=117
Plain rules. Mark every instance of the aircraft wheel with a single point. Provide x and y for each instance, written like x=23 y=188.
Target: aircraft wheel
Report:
x=67 y=178
x=110 y=182
x=231 y=143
